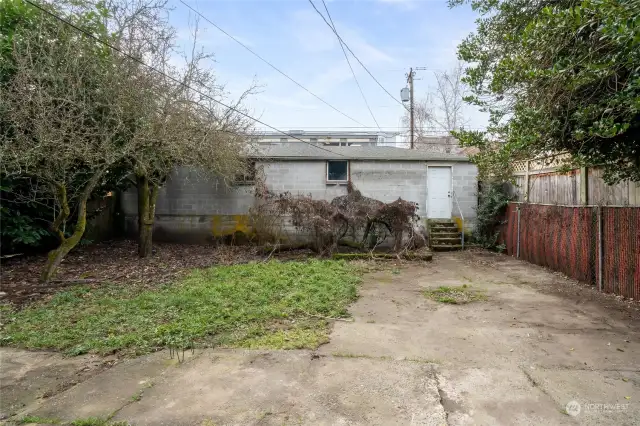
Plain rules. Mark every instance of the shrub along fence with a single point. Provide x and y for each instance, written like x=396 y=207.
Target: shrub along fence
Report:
x=596 y=244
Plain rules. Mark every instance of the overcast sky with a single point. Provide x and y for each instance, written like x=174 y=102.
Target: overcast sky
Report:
x=388 y=36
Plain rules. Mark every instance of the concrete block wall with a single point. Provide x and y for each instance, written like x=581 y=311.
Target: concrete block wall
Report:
x=193 y=207
x=388 y=180
x=196 y=208
x=382 y=180
x=301 y=177
x=465 y=185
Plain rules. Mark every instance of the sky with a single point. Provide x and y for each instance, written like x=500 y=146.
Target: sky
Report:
x=388 y=36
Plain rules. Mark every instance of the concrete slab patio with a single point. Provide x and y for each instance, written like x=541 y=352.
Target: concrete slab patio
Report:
x=535 y=344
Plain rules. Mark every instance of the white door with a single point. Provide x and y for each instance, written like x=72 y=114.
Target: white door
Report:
x=439 y=192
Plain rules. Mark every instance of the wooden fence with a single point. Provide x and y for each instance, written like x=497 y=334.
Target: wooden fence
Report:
x=541 y=181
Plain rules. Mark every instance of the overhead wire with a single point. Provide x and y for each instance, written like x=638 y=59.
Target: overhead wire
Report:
x=354 y=55
x=94 y=37
x=350 y=67
x=269 y=63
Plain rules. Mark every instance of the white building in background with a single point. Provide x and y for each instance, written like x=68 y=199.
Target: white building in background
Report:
x=327 y=138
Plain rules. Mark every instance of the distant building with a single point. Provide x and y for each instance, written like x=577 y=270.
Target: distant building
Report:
x=443 y=144
x=326 y=138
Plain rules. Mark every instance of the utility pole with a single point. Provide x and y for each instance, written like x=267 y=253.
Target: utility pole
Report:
x=411 y=125
x=406 y=95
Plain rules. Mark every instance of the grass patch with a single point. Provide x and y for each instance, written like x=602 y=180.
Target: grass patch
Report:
x=89 y=421
x=455 y=295
x=257 y=305
x=308 y=334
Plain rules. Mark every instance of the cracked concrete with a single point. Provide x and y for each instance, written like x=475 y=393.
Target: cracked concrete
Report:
x=519 y=357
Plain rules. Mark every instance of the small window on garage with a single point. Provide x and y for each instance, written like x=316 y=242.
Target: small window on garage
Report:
x=337 y=171
x=248 y=176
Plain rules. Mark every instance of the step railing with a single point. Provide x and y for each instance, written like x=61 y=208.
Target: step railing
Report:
x=455 y=200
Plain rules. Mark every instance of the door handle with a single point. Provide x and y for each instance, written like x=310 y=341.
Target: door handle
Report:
x=449 y=194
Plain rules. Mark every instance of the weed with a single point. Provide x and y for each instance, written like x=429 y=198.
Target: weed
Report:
x=263 y=415
x=350 y=355
x=38 y=420
x=455 y=295
x=137 y=396
x=271 y=304
x=89 y=421
x=423 y=360
x=96 y=421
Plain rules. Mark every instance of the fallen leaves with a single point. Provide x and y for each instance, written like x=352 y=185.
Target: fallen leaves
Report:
x=115 y=262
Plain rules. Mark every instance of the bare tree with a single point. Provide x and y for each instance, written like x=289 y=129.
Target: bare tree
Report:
x=178 y=121
x=442 y=111
x=449 y=95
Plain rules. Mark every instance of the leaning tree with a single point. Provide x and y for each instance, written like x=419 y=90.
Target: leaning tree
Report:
x=63 y=119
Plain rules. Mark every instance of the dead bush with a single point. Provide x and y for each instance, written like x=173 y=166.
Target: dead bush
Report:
x=329 y=222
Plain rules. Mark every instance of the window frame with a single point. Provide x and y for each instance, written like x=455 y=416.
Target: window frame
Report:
x=329 y=181
x=249 y=178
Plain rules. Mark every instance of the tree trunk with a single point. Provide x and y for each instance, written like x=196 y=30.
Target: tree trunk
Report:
x=147 y=197
x=56 y=256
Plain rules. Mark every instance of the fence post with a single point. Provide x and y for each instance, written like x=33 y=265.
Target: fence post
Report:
x=600 y=245
x=526 y=182
x=518 y=237
x=584 y=186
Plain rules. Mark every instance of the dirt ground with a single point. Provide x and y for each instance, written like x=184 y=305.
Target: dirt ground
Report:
x=117 y=262
x=531 y=345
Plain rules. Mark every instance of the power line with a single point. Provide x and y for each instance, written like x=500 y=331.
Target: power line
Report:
x=427 y=132
x=351 y=51
x=270 y=64
x=349 y=63
x=87 y=33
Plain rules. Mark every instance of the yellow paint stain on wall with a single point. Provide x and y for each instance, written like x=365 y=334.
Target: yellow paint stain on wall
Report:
x=458 y=221
x=222 y=225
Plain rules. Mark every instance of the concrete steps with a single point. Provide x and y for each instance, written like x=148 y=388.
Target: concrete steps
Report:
x=444 y=235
